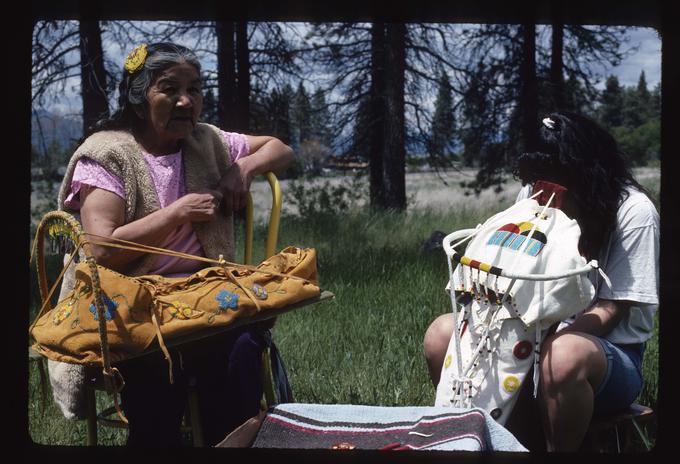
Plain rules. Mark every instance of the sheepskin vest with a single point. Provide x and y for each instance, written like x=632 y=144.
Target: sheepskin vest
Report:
x=205 y=156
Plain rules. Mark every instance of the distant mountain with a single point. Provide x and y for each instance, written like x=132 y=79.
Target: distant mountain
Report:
x=48 y=127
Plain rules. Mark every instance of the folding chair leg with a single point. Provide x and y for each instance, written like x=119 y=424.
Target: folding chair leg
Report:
x=618 y=440
x=194 y=418
x=91 y=400
x=268 y=379
x=642 y=434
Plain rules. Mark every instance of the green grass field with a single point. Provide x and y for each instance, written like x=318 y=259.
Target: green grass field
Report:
x=365 y=346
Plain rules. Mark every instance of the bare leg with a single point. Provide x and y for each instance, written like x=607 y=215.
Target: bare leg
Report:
x=572 y=367
x=435 y=344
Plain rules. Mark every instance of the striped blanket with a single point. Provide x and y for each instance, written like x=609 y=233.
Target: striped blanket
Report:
x=322 y=426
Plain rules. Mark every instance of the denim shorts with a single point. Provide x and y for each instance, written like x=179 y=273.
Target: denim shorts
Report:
x=623 y=381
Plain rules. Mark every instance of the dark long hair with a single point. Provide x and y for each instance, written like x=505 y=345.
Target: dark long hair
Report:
x=577 y=153
x=133 y=87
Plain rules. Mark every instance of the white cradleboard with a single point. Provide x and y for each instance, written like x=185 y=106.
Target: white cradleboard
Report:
x=520 y=273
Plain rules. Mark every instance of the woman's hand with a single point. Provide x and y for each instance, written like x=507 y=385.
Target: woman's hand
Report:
x=266 y=154
x=103 y=213
x=197 y=207
x=234 y=186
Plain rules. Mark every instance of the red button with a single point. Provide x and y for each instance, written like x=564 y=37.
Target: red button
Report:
x=522 y=349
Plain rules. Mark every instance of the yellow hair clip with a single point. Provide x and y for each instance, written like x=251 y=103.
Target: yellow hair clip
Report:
x=135 y=59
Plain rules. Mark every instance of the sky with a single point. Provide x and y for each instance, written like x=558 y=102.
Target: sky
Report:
x=647 y=58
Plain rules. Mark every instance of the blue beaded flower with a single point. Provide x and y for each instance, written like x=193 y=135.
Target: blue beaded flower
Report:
x=227 y=300
x=110 y=308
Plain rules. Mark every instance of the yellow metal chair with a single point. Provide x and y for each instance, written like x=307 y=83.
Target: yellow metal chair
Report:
x=274 y=221
x=270 y=248
x=192 y=419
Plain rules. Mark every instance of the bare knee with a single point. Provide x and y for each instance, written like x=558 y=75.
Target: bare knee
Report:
x=566 y=359
x=435 y=344
x=437 y=336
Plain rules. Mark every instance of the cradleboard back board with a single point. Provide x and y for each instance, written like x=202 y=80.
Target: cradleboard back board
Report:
x=520 y=273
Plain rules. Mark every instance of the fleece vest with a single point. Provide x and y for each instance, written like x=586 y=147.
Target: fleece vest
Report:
x=205 y=157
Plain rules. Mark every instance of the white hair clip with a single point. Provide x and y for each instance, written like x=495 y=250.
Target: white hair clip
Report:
x=549 y=123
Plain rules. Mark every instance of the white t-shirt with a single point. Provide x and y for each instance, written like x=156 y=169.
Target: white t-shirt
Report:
x=631 y=261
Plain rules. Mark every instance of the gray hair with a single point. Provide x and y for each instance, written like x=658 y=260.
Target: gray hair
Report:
x=134 y=86
x=161 y=56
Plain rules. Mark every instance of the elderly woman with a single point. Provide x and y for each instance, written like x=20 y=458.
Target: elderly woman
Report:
x=591 y=365
x=152 y=174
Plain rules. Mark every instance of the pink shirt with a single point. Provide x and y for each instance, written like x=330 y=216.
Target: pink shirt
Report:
x=167 y=173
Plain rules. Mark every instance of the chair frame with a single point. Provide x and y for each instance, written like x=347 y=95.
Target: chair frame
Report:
x=634 y=419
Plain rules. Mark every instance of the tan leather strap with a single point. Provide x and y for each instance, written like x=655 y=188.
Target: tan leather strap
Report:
x=127 y=245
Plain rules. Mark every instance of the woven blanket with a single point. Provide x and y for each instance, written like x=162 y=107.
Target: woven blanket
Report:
x=321 y=426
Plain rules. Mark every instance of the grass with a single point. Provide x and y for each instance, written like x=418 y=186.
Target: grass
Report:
x=47 y=425
x=365 y=346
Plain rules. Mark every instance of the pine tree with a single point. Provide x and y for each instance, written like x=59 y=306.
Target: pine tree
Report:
x=321 y=118
x=226 y=75
x=279 y=110
x=366 y=61
x=636 y=104
x=55 y=59
x=556 y=74
x=477 y=116
x=92 y=74
x=209 y=113
x=644 y=96
x=643 y=92
x=498 y=123
x=528 y=88
x=259 y=117
x=360 y=131
x=301 y=117
x=611 y=100
x=656 y=101
x=443 y=121
x=394 y=128
x=577 y=99
x=271 y=113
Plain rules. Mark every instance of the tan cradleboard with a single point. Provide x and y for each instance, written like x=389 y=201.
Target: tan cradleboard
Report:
x=106 y=317
x=520 y=273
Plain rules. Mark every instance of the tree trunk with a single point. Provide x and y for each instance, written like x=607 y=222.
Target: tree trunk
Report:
x=394 y=151
x=377 y=102
x=93 y=75
x=226 y=75
x=557 y=66
x=243 y=78
x=528 y=98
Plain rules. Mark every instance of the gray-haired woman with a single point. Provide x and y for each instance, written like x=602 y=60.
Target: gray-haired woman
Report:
x=153 y=174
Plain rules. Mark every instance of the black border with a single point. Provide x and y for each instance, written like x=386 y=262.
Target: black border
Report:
x=650 y=13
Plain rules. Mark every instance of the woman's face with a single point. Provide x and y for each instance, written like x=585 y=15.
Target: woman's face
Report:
x=175 y=101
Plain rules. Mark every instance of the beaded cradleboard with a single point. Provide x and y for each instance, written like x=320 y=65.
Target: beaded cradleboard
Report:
x=521 y=273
